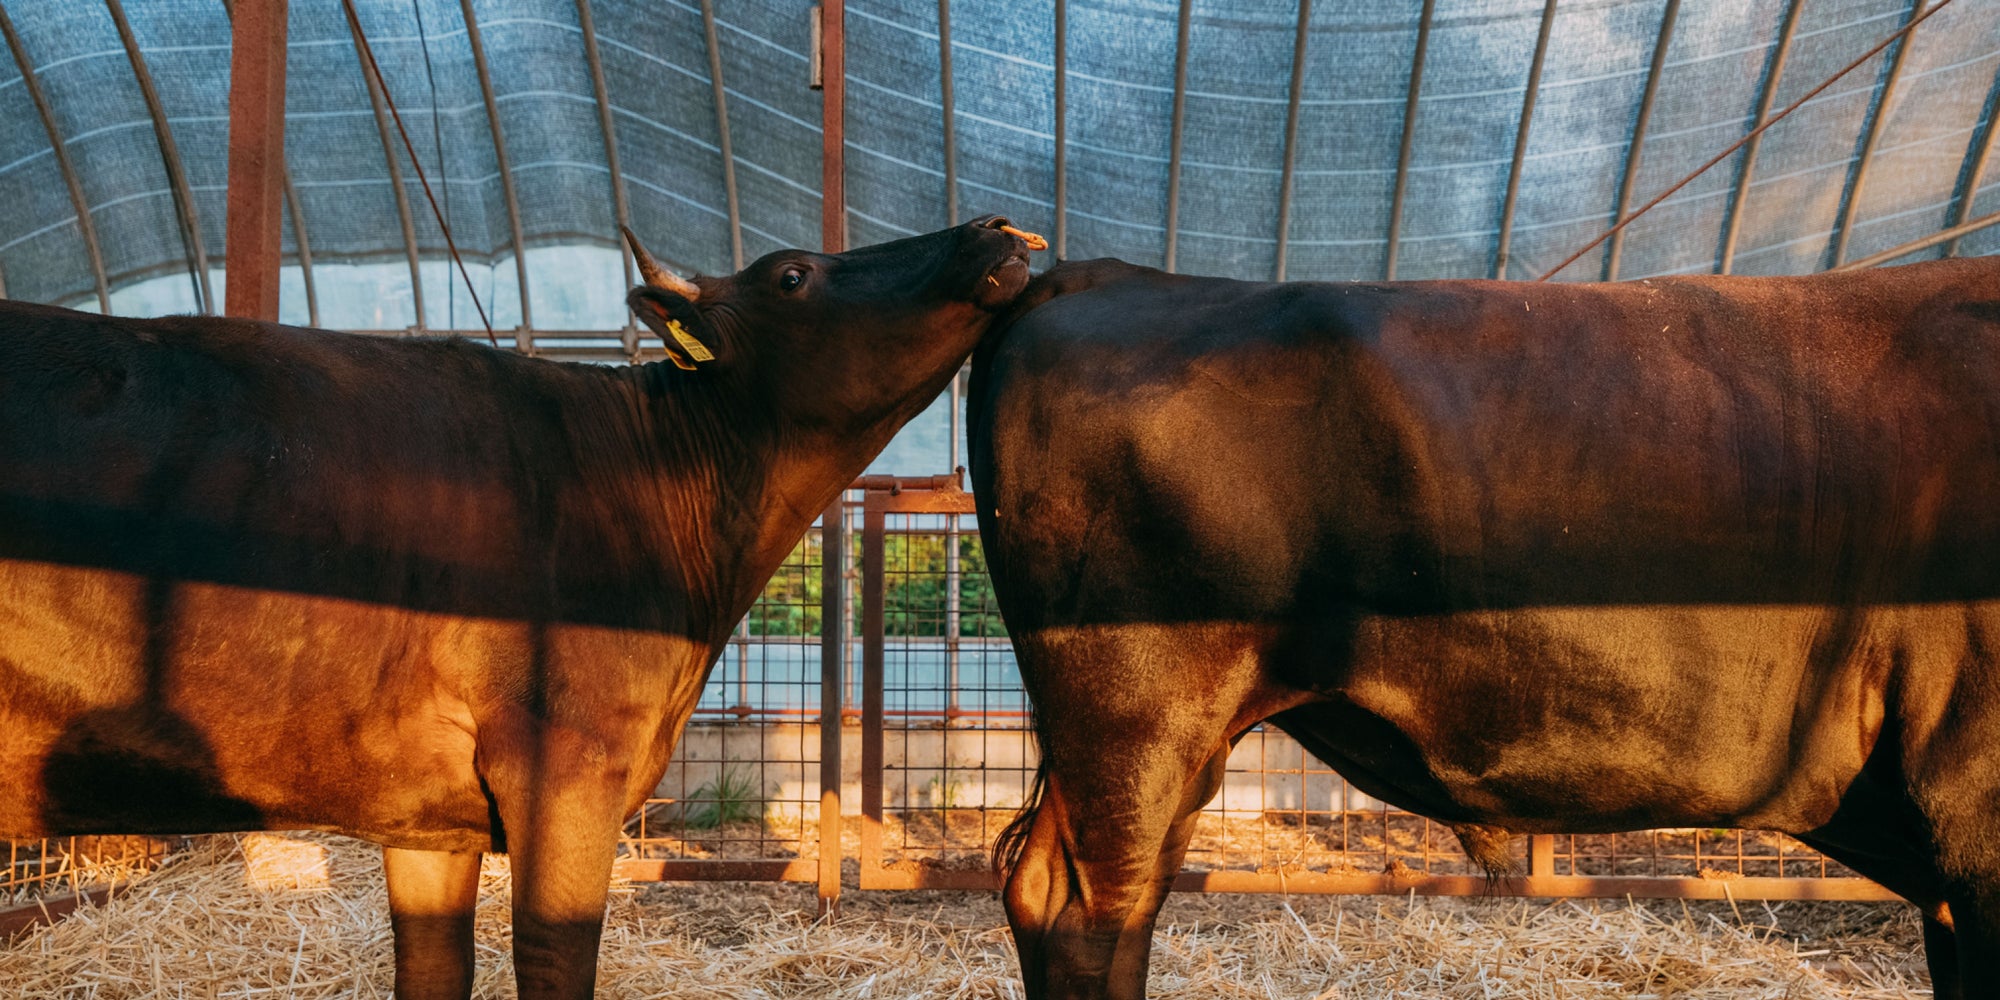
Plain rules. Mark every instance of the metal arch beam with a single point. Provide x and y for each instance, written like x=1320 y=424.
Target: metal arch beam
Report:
x=1773 y=73
x=1061 y=109
x=170 y=155
x=524 y=338
x=1505 y=249
x=63 y=163
x=945 y=97
x=1408 y=142
x=1953 y=234
x=714 y=46
x=1614 y=249
x=1292 y=137
x=305 y=248
x=621 y=209
x=1851 y=202
x=395 y=172
x=1181 y=31
x=1977 y=168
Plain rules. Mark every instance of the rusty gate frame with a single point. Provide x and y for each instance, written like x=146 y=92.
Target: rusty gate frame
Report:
x=885 y=496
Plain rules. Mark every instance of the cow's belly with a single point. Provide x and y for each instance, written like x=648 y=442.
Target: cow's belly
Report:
x=133 y=706
x=1626 y=717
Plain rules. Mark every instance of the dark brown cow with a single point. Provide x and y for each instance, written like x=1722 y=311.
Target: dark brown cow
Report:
x=1689 y=552
x=445 y=598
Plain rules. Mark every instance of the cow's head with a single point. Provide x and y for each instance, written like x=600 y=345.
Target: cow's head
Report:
x=842 y=338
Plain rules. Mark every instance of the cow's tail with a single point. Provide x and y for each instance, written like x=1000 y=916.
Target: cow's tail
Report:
x=1013 y=840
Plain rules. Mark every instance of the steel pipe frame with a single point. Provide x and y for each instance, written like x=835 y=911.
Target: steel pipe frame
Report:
x=1292 y=137
x=1773 y=73
x=1850 y=202
x=833 y=521
x=395 y=175
x=1982 y=155
x=1408 y=142
x=525 y=341
x=170 y=156
x=1614 y=248
x=76 y=198
x=1951 y=235
x=1182 y=28
x=1504 y=250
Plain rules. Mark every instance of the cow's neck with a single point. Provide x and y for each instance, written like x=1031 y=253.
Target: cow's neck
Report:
x=740 y=483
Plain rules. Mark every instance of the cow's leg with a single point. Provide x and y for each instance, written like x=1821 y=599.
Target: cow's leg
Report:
x=1135 y=724
x=432 y=895
x=560 y=795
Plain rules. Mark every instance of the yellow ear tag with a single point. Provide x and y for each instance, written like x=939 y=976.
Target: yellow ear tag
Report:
x=695 y=348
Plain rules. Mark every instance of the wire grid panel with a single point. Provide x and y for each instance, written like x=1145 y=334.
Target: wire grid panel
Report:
x=741 y=796
x=40 y=869
x=948 y=757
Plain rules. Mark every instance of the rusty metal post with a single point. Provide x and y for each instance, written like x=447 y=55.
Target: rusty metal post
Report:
x=254 y=244
x=833 y=536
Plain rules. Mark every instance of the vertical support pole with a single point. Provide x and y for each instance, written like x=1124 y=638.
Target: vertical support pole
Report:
x=1773 y=73
x=1179 y=130
x=833 y=537
x=1541 y=855
x=874 y=587
x=1507 y=204
x=1292 y=137
x=1062 y=130
x=254 y=243
x=1409 y=138
x=1614 y=249
x=945 y=97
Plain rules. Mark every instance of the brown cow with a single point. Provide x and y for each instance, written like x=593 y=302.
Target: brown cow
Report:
x=1683 y=552
x=441 y=597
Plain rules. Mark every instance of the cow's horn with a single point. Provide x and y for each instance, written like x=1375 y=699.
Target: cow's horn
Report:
x=656 y=274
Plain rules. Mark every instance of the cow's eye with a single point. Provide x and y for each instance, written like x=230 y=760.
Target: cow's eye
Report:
x=791 y=278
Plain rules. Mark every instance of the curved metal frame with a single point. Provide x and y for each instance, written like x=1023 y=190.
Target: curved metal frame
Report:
x=1061 y=109
x=305 y=248
x=1408 y=142
x=395 y=174
x=1773 y=73
x=621 y=210
x=1982 y=155
x=1297 y=94
x=1850 y=202
x=1614 y=249
x=1505 y=247
x=1181 y=32
x=722 y=133
x=170 y=156
x=524 y=338
x=77 y=201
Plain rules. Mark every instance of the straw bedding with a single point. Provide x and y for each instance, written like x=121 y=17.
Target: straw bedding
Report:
x=304 y=916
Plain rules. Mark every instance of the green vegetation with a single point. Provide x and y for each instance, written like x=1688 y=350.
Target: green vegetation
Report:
x=915 y=597
x=733 y=795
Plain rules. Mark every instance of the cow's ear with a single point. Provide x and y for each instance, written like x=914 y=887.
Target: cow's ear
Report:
x=689 y=342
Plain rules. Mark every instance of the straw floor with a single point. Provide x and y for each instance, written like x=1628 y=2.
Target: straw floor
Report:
x=303 y=916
